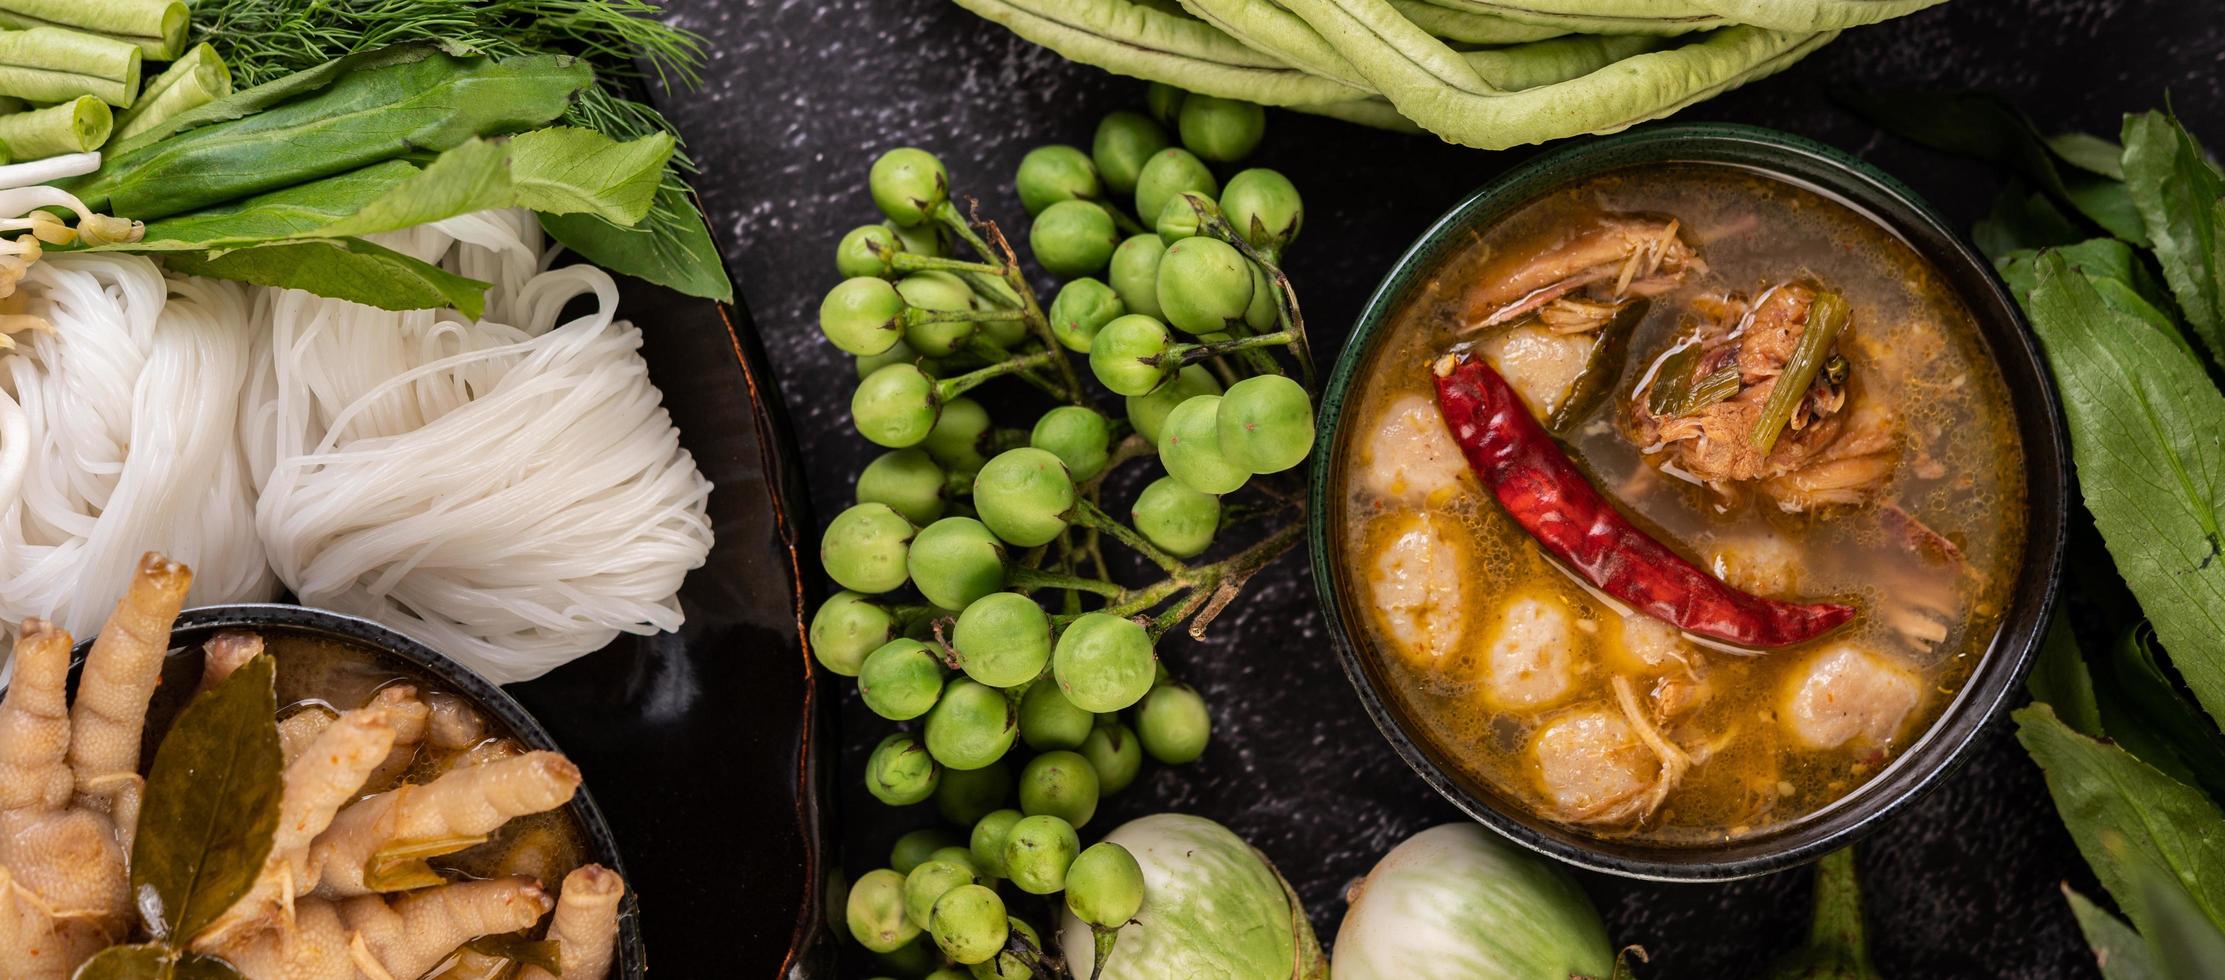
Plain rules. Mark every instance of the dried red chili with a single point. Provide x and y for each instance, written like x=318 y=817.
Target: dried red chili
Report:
x=1550 y=498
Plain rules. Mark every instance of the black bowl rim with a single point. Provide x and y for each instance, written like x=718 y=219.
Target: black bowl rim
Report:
x=632 y=959
x=1892 y=205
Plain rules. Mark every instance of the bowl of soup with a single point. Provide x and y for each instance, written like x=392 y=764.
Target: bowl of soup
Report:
x=1689 y=501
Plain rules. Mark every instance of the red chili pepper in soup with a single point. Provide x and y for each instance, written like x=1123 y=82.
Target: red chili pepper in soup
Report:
x=1550 y=498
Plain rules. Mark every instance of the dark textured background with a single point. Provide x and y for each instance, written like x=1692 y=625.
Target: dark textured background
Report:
x=802 y=94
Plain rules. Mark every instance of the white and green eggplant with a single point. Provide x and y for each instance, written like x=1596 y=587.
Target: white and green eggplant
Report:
x=1456 y=901
x=1212 y=907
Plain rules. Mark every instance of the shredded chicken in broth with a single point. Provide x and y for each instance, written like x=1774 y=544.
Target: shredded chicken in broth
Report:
x=1650 y=319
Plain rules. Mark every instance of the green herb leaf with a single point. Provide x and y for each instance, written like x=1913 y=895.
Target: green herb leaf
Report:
x=2181 y=942
x=2060 y=679
x=2115 y=270
x=1989 y=128
x=343 y=268
x=247 y=102
x=211 y=805
x=2101 y=789
x=2176 y=189
x=2120 y=952
x=151 y=961
x=671 y=247
x=2089 y=153
x=365 y=117
x=2022 y=221
x=1836 y=947
x=2138 y=676
x=300 y=211
x=2151 y=463
x=568 y=170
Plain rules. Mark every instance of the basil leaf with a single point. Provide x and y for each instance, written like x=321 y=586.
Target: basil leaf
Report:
x=432 y=104
x=2120 y=952
x=671 y=247
x=568 y=170
x=2101 y=789
x=211 y=805
x=2151 y=463
x=2177 y=189
x=1989 y=128
x=343 y=268
x=2059 y=678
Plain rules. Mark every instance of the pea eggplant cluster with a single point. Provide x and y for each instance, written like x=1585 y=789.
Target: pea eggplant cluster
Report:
x=976 y=606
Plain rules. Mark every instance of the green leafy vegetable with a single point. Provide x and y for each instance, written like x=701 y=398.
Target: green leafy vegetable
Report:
x=2059 y=678
x=2181 y=942
x=2120 y=952
x=344 y=268
x=2176 y=189
x=671 y=247
x=2100 y=788
x=2119 y=274
x=1989 y=128
x=552 y=170
x=262 y=96
x=1836 y=947
x=2151 y=463
x=431 y=104
x=2022 y=221
x=568 y=170
x=211 y=805
x=2177 y=728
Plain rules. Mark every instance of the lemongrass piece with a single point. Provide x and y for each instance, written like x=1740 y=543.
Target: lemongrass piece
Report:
x=1827 y=319
x=192 y=81
x=1709 y=390
x=1133 y=39
x=47 y=171
x=80 y=125
x=47 y=65
x=1464 y=26
x=155 y=27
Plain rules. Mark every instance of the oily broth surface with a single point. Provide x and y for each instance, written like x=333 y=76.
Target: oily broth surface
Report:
x=1960 y=473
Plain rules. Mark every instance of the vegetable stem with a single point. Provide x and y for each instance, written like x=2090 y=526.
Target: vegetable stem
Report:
x=195 y=80
x=155 y=27
x=1827 y=318
x=1193 y=353
x=949 y=388
x=48 y=65
x=77 y=126
x=1090 y=515
x=1021 y=577
x=915 y=262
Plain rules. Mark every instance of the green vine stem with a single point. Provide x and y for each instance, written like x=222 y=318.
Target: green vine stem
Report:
x=915 y=262
x=950 y=388
x=1024 y=578
x=1089 y=515
x=1193 y=353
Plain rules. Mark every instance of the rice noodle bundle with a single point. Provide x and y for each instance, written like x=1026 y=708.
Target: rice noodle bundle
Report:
x=513 y=496
x=117 y=436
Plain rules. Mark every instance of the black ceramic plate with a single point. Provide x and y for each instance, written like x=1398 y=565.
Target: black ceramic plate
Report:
x=702 y=746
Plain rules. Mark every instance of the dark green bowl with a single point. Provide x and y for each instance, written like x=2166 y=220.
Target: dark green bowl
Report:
x=2039 y=421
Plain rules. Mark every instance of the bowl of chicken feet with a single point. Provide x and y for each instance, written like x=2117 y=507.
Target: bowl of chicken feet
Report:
x=1692 y=498
x=267 y=791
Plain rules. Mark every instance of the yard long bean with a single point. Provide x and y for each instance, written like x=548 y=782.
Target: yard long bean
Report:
x=1463 y=26
x=1811 y=15
x=1145 y=42
x=1598 y=16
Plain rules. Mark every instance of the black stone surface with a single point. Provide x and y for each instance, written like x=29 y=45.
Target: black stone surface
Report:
x=802 y=94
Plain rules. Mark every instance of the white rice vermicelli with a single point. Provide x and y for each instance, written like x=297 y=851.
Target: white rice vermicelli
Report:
x=117 y=437
x=513 y=496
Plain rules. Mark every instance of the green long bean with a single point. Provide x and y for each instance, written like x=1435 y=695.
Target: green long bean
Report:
x=1464 y=26
x=1642 y=87
x=76 y=126
x=1810 y=15
x=1146 y=42
x=1493 y=70
x=47 y=65
x=156 y=27
x=1598 y=16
